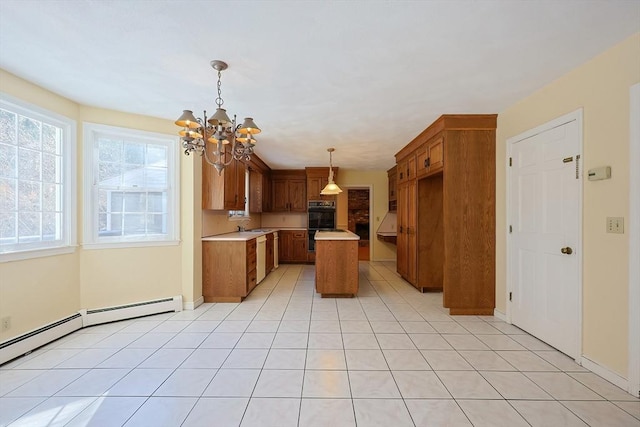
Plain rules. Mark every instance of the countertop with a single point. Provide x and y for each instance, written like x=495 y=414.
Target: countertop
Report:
x=336 y=235
x=239 y=236
x=387 y=233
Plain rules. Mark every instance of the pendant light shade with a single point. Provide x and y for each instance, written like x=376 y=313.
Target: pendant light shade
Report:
x=331 y=189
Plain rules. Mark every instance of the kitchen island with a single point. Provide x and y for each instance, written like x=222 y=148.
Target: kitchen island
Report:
x=336 y=263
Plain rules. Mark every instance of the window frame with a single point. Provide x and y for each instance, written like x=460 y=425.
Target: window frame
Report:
x=68 y=166
x=91 y=239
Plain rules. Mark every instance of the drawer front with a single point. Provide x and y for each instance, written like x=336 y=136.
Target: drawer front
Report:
x=251 y=280
x=251 y=248
x=251 y=262
x=299 y=234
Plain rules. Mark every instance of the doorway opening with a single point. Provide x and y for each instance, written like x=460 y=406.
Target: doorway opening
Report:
x=358 y=219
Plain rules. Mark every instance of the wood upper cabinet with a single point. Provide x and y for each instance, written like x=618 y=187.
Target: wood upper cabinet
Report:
x=406 y=168
x=392 y=175
x=292 y=246
x=256 y=192
x=317 y=179
x=430 y=157
x=223 y=191
x=289 y=188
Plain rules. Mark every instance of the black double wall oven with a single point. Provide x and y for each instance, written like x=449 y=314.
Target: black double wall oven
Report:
x=321 y=216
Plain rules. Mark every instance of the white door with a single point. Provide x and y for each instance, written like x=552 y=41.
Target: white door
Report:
x=545 y=235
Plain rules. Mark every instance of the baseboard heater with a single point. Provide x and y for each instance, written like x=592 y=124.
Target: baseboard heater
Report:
x=27 y=342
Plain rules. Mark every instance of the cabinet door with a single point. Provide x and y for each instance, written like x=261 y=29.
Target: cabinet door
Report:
x=411 y=167
x=280 y=197
x=393 y=186
x=412 y=233
x=299 y=243
x=284 y=246
x=240 y=187
x=230 y=184
x=422 y=164
x=256 y=192
x=436 y=155
x=269 y=255
x=314 y=186
x=266 y=192
x=402 y=230
x=402 y=171
x=297 y=195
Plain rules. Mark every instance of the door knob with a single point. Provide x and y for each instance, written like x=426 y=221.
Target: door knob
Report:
x=566 y=250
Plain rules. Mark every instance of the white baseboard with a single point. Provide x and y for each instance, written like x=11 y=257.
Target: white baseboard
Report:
x=24 y=343
x=605 y=373
x=192 y=305
x=129 y=311
x=499 y=315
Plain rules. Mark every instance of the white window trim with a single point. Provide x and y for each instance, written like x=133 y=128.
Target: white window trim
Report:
x=90 y=235
x=69 y=166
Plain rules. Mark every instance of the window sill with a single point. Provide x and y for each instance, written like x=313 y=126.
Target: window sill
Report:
x=124 y=245
x=36 y=253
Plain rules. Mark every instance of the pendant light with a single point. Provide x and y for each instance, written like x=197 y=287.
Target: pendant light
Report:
x=331 y=189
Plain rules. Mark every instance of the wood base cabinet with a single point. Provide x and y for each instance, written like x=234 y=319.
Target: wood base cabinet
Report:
x=292 y=246
x=453 y=200
x=229 y=270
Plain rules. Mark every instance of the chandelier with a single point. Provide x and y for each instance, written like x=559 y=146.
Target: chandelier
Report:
x=227 y=141
x=331 y=188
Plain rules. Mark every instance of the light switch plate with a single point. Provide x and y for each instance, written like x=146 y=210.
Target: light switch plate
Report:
x=615 y=224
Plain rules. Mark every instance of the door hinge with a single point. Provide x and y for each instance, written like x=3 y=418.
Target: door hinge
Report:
x=510 y=296
x=510 y=161
x=510 y=229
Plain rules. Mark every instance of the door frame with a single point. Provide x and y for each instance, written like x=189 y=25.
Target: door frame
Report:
x=634 y=242
x=576 y=116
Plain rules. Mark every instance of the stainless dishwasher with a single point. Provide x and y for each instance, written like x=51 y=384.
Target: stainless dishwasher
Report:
x=261 y=258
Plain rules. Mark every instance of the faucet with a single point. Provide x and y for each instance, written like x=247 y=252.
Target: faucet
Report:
x=241 y=228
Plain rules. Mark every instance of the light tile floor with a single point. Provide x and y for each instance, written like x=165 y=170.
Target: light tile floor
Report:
x=285 y=357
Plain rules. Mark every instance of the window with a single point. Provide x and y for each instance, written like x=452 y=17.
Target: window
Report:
x=132 y=188
x=36 y=181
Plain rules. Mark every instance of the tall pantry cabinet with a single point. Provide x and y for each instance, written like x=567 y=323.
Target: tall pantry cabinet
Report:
x=446 y=212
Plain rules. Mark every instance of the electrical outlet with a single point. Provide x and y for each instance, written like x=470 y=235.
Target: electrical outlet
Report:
x=615 y=225
x=5 y=324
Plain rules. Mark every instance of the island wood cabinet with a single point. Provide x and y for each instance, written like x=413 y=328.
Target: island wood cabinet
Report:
x=289 y=188
x=224 y=190
x=292 y=246
x=317 y=179
x=229 y=270
x=450 y=242
x=337 y=268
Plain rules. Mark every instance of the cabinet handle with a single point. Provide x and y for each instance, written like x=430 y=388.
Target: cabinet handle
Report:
x=408 y=173
x=428 y=161
x=401 y=175
x=400 y=229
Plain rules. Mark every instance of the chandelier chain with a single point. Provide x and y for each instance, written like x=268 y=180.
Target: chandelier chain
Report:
x=219 y=99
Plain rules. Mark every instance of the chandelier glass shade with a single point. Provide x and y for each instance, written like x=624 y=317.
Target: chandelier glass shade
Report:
x=331 y=189
x=218 y=138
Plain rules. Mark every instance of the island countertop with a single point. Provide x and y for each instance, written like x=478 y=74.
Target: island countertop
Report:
x=336 y=235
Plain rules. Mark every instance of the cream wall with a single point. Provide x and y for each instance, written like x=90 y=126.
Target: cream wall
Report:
x=38 y=291
x=601 y=88
x=378 y=181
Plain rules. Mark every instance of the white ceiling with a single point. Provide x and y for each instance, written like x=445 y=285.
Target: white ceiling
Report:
x=362 y=76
